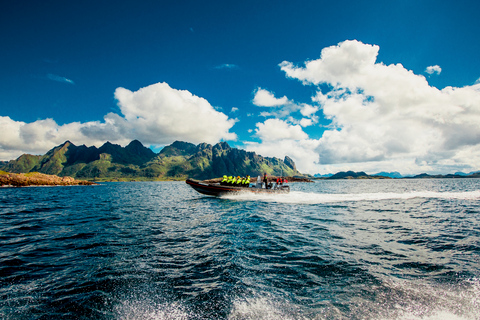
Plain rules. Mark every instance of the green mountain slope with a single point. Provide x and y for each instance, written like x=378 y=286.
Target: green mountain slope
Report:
x=24 y=163
x=177 y=161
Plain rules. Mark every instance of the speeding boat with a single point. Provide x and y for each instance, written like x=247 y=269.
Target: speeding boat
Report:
x=216 y=189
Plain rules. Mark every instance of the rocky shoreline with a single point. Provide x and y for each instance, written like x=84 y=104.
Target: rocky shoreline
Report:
x=38 y=179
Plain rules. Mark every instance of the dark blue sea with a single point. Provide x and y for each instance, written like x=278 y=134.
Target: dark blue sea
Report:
x=353 y=249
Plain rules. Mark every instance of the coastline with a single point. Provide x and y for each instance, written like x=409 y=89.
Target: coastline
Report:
x=15 y=180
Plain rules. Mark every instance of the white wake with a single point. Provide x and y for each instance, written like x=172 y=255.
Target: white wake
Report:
x=299 y=197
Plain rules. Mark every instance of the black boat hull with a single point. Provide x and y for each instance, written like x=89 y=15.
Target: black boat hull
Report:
x=215 y=189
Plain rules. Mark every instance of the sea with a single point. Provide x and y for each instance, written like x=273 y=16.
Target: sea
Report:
x=331 y=249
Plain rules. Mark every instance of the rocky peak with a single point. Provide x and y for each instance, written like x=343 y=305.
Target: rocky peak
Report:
x=203 y=146
x=289 y=162
x=137 y=148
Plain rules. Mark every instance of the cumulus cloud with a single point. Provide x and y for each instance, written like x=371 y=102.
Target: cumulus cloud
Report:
x=275 y=129
x=264 y=98
x=284 y=108
x=37 y=137
x=159 y=114
x=308 y=110
x=155 y=115
x=301 y=151
x=385 y=115
x=280 y=138
x=433 y=69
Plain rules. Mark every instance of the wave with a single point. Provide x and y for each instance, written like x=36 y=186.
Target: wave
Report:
x=393 y=300
x=299 y=197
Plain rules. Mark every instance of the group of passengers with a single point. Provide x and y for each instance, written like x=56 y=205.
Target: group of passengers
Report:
x=244 y=182
x=280 y=181
x=238 y=181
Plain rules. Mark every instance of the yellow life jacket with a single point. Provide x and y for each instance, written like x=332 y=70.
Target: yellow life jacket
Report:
x=225 y=179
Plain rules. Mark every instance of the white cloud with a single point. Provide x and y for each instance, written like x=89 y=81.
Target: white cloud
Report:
x=284 y=108
x=303 y=122
x=301 y=151
x=335 y=65
x=38 y=137
x=227 y=66
x=433 y=69
x=158 y=114
x=57 y=78
x=275 y=129
x=385 y=116
x=308 y=110
x=155 y=115
x=264 y=98
x=306 y=122
x=280 y=138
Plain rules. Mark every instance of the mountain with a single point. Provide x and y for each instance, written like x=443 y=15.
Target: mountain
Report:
x=318 y=175
x=358 y=175
x=178 y=161
x=395 y=174
x=355 y=175
x=446 y=176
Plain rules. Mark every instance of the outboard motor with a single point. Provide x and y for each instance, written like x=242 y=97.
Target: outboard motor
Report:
x=259 y=183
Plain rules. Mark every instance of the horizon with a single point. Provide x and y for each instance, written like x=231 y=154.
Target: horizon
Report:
x=357 y=85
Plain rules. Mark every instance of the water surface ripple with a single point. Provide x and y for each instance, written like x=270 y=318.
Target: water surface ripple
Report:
x=382 y=249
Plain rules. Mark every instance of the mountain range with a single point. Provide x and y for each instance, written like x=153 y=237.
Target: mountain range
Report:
x=393 y=175
x=178 y=161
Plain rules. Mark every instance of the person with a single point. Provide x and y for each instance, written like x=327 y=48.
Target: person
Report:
x=224 y=181
x=278 y=182
x=233 y=181
x=239 y=181
x=265 y=180
x=246 y=182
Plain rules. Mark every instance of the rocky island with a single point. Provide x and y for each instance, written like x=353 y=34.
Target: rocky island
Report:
x=37 y=179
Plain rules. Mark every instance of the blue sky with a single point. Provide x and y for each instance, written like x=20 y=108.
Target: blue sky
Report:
x=344 y=85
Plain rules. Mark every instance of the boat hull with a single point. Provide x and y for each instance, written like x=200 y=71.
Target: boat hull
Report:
x=215 y=189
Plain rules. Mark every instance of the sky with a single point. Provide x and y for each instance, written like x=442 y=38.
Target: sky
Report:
x=335 y=85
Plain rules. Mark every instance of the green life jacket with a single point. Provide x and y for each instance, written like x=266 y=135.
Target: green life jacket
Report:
x=225 y=179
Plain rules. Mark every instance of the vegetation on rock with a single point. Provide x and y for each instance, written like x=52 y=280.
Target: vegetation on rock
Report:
x=178 y=161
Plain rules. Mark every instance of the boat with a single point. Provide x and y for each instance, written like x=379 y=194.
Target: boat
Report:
x=216 y=189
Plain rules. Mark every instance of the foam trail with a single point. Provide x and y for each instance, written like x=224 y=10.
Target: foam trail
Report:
x=319 y=198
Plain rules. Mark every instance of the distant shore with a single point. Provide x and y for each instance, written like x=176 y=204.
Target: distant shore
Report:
x=38 y=179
